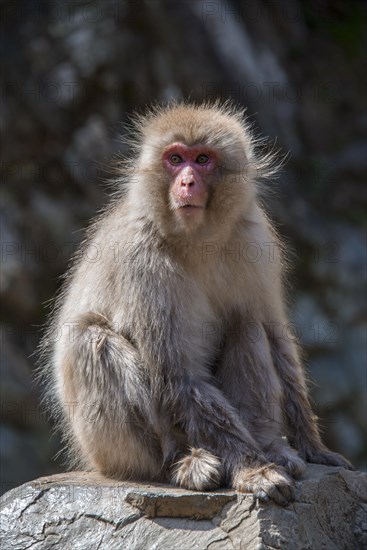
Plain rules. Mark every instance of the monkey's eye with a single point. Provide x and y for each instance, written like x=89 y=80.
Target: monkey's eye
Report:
x=202 y=159
x=175 y=159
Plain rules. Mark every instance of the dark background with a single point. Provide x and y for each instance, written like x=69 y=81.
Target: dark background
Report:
x=71 y=74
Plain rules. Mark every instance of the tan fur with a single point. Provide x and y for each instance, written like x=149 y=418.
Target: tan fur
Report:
x=177 y=338
x=199 y=471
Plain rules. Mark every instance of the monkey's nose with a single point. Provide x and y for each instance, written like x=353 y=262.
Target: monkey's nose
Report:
x=187 y=181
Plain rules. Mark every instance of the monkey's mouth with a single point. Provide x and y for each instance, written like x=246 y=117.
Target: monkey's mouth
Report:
x=190 y=207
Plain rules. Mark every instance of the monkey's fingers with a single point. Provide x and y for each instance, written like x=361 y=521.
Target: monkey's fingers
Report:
x=289 y=459
x=269 y=481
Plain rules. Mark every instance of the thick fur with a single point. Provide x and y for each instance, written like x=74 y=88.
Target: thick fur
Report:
x=170 y=360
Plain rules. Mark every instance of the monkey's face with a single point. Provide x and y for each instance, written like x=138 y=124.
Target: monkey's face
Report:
x=192 y=172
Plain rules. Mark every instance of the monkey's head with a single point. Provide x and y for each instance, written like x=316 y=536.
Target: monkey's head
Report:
x=196 y=169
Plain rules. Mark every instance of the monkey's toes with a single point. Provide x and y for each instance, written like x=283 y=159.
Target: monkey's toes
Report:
x=199 y=470
x=328 y=458
x=269 y=481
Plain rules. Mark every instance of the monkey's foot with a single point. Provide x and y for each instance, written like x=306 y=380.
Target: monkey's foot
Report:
x=266 y=482
x=199 y=470
x=324 y=456
x=289 y=459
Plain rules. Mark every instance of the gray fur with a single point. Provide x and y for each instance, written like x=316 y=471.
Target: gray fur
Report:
x=152 y=395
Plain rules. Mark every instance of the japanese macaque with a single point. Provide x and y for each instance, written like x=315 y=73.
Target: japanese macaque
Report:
x=169 y=347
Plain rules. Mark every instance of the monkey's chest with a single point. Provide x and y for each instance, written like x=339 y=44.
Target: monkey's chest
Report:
x=212 y=299
x=227 y=287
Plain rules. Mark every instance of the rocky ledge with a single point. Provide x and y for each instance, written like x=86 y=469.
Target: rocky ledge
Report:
x=82 y=510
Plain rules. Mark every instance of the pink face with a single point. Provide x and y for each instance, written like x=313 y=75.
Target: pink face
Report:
x=191 y=170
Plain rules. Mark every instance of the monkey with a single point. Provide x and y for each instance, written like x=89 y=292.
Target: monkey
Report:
x=166 y=354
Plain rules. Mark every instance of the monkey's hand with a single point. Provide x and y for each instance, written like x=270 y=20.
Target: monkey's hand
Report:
x=269 y=481
x=322 y=455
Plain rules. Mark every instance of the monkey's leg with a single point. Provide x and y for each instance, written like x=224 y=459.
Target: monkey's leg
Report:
x=113 y=415
x=301 y=422
x=247 y=377
x=116 y=422
x=102 y=373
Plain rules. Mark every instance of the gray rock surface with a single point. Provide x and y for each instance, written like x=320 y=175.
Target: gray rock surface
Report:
x=81 y=510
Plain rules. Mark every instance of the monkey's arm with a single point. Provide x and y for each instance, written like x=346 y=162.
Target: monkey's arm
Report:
x=208 y=419
x=194 y=404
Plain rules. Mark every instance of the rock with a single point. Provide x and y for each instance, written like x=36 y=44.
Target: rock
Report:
x=82 y=510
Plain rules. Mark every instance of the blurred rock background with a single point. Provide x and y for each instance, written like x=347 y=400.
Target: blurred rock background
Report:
x=72 y=73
